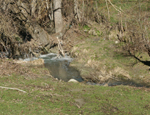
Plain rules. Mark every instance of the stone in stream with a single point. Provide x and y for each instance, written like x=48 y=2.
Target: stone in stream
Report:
x=73 y=80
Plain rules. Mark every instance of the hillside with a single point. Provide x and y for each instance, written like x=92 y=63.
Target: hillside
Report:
x=107 y=40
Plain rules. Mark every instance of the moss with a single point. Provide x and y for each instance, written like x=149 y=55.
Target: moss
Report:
x=18 y=39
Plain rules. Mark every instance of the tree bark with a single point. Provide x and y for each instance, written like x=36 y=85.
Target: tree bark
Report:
x=58 y=16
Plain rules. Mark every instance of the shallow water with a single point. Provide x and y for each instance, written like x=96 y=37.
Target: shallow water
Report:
x=59 y=67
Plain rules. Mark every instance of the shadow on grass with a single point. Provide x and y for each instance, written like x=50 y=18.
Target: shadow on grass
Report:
x=144 y=62
x=130 y=83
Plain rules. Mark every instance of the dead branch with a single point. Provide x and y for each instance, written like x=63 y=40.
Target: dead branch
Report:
x=115 y=7
x=13 y=89
x=60 y=47
x=107 y=9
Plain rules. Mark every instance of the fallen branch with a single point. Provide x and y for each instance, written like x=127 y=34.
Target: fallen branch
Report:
x=77 y=105
x=13 y=89
x=61 y=51
x=107 y=9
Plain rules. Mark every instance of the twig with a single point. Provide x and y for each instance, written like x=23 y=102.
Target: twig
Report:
x=77 y=105
x=107 y=9
x=119 y=10
x=13 y=89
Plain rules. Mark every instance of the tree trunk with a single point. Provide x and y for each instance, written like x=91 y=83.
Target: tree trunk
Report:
x=58 y=16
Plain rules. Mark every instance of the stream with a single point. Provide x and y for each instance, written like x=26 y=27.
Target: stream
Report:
x=59 y=67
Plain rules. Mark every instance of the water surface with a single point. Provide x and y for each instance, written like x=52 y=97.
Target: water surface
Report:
x=59 y=67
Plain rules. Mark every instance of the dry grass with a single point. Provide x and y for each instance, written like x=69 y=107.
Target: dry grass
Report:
x=9 y=67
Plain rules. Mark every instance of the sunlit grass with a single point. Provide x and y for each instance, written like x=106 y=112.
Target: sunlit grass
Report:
x=46 y=96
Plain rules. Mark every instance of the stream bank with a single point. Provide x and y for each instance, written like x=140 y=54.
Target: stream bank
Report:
x=46 y=95
x=60 y=69
x=103 y=62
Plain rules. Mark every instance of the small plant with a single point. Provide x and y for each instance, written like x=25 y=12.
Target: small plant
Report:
x=18 y=39
x=86 y=27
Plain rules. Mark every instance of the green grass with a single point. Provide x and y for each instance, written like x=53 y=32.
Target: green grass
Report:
x=86 y=27
x=48 y=96
x=130 y=8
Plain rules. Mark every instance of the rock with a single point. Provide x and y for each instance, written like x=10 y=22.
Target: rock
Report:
x=73 y=80
x=116 y=42
x=86 y=31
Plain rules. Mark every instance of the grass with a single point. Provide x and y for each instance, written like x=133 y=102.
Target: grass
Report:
x=86 y=27
x=130 y=8
x=46 y=95
x=49 y=96
x=96 y=55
